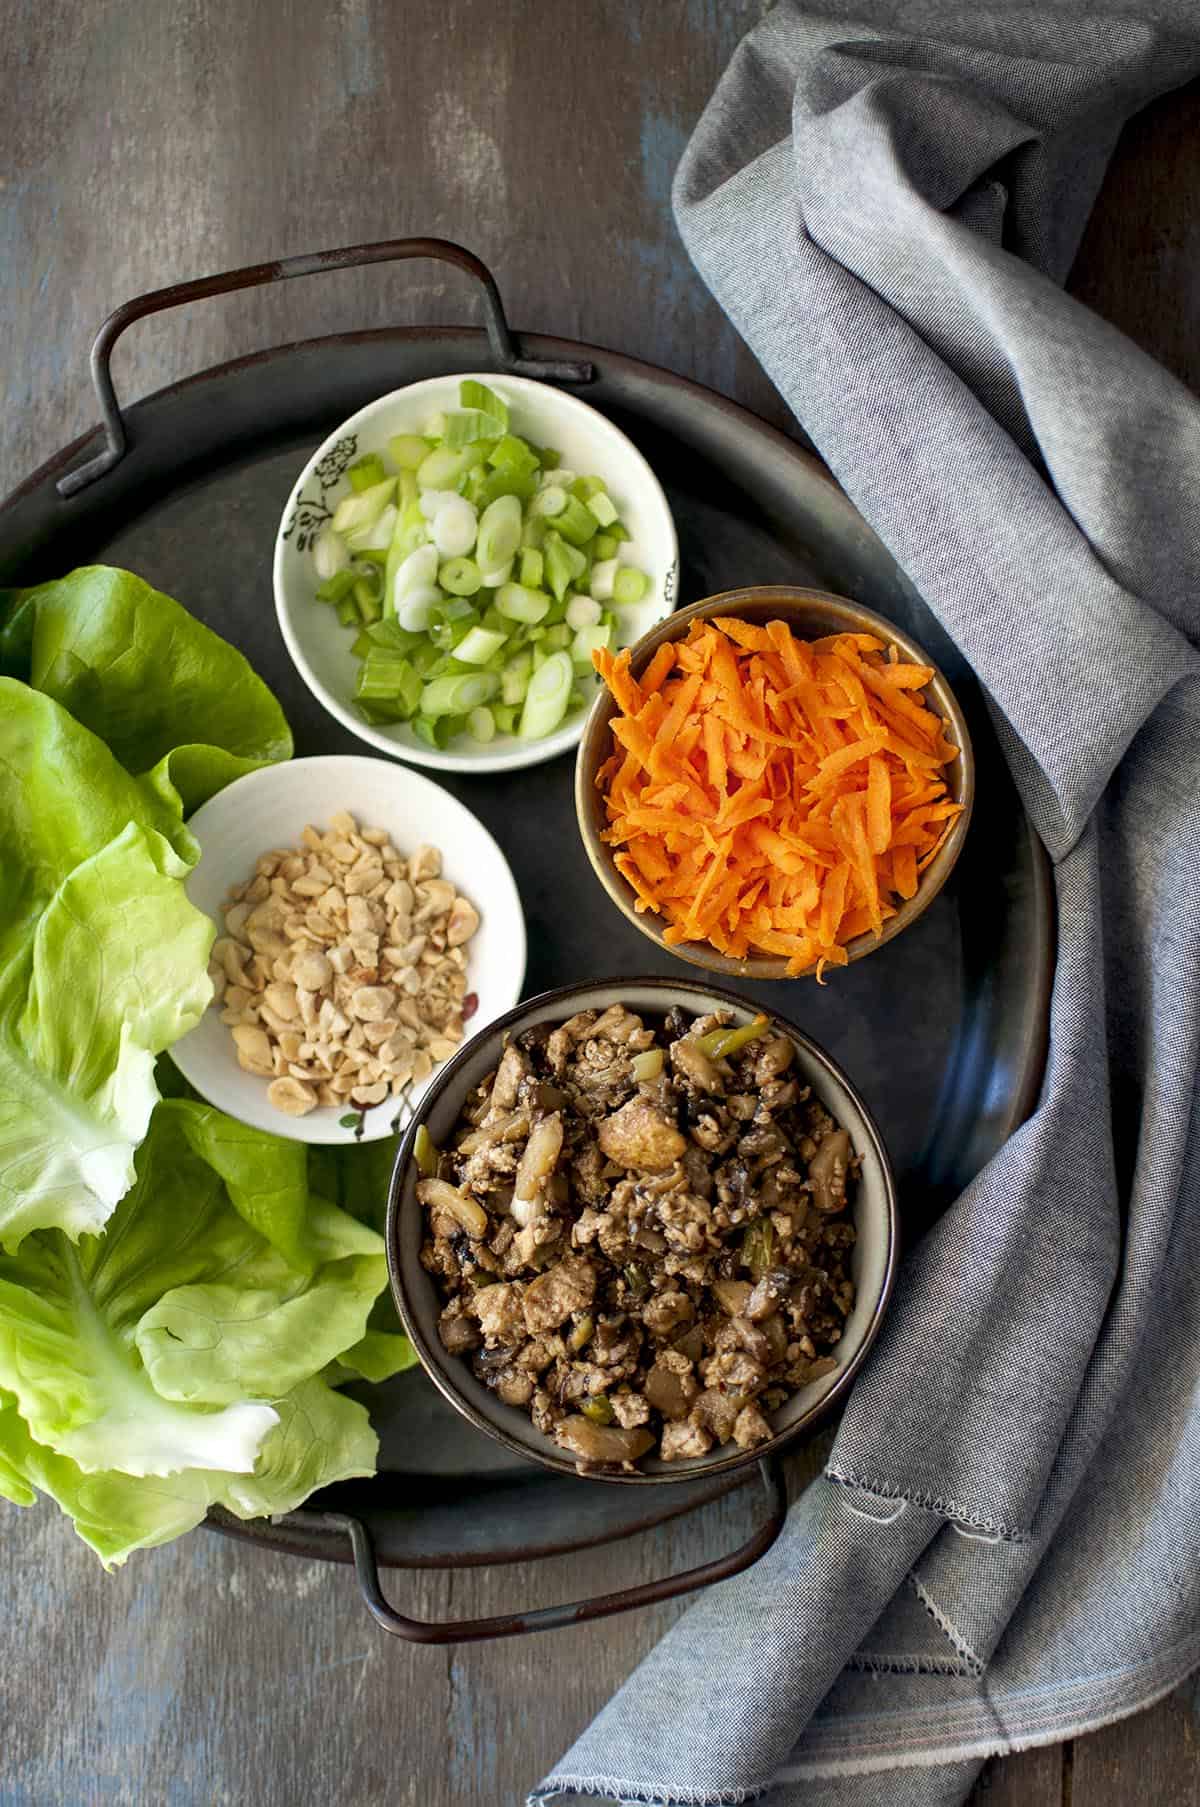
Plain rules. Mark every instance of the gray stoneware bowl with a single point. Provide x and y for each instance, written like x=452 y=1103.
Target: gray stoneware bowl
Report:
x=416 y=1297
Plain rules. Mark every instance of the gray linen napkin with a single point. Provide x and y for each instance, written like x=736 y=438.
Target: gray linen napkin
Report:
x=1004 y=1548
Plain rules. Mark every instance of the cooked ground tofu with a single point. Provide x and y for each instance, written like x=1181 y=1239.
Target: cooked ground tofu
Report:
x=642 y=1233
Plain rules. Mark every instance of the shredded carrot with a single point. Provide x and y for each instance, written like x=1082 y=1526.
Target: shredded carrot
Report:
x=771 y=795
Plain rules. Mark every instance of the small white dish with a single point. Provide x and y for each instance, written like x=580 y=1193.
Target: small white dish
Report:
x=588 y=443
x=271 y=808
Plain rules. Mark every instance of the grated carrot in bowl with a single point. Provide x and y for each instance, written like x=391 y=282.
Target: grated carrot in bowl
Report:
x=771 y=795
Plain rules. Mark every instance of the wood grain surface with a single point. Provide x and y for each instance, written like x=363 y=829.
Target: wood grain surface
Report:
x=142 y=144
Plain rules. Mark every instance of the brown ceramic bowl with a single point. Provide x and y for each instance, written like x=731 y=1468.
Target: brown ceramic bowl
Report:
x=809 y=614
x=416 y=1295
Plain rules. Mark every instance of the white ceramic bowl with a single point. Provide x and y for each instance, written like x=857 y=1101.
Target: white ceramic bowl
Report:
x=589 y=445
x=270 y=809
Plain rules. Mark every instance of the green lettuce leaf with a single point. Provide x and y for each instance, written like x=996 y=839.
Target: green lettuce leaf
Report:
x=320 y=1437
x=170 y=698
x=158 y=1346
x=102 y=963
x=132 y=712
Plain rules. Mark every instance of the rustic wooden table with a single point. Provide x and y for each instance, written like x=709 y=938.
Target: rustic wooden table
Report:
x=142 y=144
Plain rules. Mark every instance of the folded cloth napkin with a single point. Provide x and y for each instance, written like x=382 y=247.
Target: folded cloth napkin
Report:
x=1003 y=1551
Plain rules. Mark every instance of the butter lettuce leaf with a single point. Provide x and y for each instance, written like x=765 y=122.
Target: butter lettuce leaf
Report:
x=158 y=1346
x=119 y=711
x=170 y=698
x=320 y=1437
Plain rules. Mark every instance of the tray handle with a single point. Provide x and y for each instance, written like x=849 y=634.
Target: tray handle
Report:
x=576 y=1612
x=504 y=348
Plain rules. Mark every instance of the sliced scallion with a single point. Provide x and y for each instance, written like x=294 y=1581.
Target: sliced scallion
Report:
x=547 y=696
x=582 y=611
x=629 y=585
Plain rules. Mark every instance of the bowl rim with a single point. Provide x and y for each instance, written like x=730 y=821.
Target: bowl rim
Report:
x=730 y=602
x=282 y=772
x=439 y=1366
x=520 y=755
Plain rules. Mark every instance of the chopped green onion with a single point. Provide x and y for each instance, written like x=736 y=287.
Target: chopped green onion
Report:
x=531 y=568
x=556 y=639
x=425 y=1152
x=518 y=604
x=478 y=646
x=442 y=468
x=460 y=576
x=589 y=640
x=364 y=508
x=629 y=585
x=718 y=1044
x=467 y=426
x=513 y=454
x=481 y=725
x=414 y=609
x=337 y=587
x=378 y=536
x=601 y=506
x=366 y=472
x=604 y=573
x=550 y=459
x=533 y=533
x=495 y=484
x=514 y=679
x=330 y=554
x=582 y=612
x=549 y=502
x=383 y=674
x=409 y=450
x=454 y=528
x=499 y=534
x=563 y=564
x=587 y=487
x=604 y=547
x=458 y=696
x=492 y=580
x=347 y=614
x=546 y=697
x=505 y=717
x=478 y=396
x=576 y=523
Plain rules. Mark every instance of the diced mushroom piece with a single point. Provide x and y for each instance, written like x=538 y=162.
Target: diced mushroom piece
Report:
x=717 y=1412
x=437 y=1196
x=750 y=1428
x=828 y=1169
x=768 y=1295
x=501 y=1318
x=457 y=1332
x=640 y=1136
x=689 y=1059
x=616 y=1024
x=604 y=1445
x=775 y=1058
x=567 y=1287
x=670 y=1385
x=509 y=1074
x=682 y=1440
x=514 y=1387
x=536 y=1167
x=732 y=1295
x=754 y=1341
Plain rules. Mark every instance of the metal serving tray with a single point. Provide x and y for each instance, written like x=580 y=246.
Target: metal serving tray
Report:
x=945 y=1030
